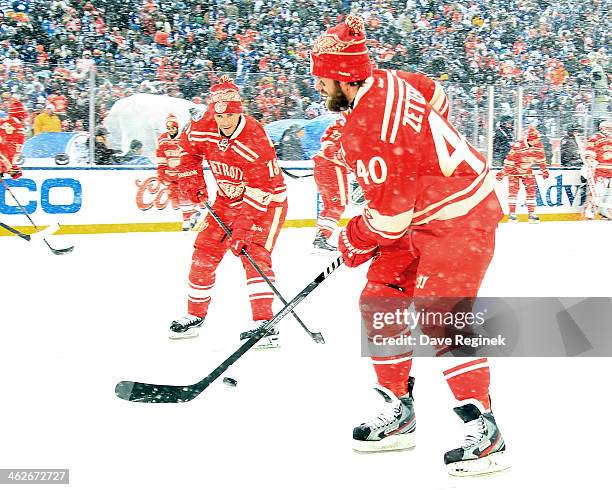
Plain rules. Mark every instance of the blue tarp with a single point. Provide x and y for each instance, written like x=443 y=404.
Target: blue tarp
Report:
x=276 y=129
x=47 y=145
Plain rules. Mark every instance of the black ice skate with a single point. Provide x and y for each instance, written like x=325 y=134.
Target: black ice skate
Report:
x=533 y=218
x=512 y=218
x=322 y=246
x=483 y=448
x=393 y=429
x=268 y=341
x=186 y=327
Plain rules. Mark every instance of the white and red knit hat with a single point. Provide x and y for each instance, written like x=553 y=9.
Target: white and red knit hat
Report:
x=340 y=53
x=172 y=120
x=225 y=97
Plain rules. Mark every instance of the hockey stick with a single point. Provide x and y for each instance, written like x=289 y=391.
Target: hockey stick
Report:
x=56 y=251
x=151 y=393
x=15 y=232
x=293 y=176
x=316 y=336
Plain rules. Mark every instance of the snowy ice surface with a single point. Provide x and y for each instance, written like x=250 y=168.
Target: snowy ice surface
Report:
x=73 y=326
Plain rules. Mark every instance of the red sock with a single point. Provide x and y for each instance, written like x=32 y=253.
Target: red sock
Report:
x=393 y=372
x=470 y=380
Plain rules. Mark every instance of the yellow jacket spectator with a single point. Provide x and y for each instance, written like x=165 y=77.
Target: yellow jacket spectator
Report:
x=47 y=121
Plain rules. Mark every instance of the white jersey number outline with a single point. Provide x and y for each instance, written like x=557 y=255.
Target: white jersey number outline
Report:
x=443 y=135
x=376 y=170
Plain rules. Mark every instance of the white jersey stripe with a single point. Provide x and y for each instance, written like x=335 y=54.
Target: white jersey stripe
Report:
x=473 y=367
x=397 y=360
x=243 y=154
x=246 y=149
x=388 y=106
x=398 y=110
x=273 y=228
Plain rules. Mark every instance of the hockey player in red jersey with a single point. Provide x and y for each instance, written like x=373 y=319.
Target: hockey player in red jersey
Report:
x=429 y=224
x=331 y=173
x=331 y=177
x=12 y=138
x=251 y=200
x=598 y=169
x=168 y=159
x=518 y=168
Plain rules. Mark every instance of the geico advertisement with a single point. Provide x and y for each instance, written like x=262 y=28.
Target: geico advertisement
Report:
x=106 y=195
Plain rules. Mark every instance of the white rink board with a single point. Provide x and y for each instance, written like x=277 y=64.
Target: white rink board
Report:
x=132 y=195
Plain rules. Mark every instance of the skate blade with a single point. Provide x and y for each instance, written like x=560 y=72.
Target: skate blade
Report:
x=189 y=334
x=397 y=442
x=324 y=253
x=267 y=343
x=490 y=464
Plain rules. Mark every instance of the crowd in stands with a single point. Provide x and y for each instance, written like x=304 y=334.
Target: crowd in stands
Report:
x=178 y=47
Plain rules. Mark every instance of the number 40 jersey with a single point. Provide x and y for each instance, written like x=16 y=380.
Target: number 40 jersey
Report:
x=416 y=170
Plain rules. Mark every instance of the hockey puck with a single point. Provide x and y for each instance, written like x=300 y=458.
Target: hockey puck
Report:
x=230 y=382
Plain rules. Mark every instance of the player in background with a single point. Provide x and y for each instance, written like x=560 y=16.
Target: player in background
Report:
x=598 y=167
x=429 y=223
x=331 y=178
x=517 y=167
x=12 y=138
x=331 y=172
x=251 y=200
x=168 y=159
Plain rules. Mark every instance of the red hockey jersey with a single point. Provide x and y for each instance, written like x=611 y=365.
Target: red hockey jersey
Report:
x=431 y=90
x=168 y=153
x=521 y=158
x=244 y=165
x=415 y=169
x=12 y=138
x=599 y=148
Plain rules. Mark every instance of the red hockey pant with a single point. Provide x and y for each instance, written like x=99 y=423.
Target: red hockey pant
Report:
x=332 y=184
x=440 y=270
x=529 y=182
x=212 y=244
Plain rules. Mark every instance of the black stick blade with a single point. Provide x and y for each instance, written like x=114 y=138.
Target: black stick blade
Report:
x=151 y=393
x=318 y=337
x=61 y=251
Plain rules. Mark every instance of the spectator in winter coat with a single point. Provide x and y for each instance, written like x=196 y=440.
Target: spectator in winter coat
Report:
x=102 y=153
x=570 y=151
x=502 y=140
x=47 y=121
x=290 y=147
